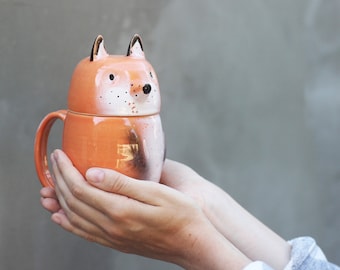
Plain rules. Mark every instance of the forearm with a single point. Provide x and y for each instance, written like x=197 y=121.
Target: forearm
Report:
x=246 y=232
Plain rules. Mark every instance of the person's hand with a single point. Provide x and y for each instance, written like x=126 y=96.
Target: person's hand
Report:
x=243 y=230
x=139 y=217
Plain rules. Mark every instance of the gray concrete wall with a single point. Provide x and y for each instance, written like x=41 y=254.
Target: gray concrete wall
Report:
x=251 y=100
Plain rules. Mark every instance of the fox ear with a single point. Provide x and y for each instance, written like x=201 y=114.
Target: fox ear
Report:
x=98 y=49
x=136 y=47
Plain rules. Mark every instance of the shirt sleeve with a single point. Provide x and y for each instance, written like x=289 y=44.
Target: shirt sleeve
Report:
x=305 y=255
x=257 y=265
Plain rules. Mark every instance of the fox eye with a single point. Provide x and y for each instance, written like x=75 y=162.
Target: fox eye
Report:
x=112 y=77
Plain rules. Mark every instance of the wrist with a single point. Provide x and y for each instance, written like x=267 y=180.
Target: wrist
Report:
x=211 y=250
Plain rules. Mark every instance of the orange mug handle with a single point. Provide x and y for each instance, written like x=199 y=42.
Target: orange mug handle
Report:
x=40 y=146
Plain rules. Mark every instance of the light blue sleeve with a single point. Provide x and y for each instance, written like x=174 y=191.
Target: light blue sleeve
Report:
x=257 y=265
x=305 y=255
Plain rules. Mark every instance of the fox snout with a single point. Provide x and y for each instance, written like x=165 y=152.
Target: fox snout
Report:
x=146 y=88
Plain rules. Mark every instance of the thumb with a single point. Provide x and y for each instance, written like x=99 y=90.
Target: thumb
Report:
x=115 y=182
x=107 y=180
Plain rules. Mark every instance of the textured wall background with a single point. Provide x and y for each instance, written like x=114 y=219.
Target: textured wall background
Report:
x=251 y=100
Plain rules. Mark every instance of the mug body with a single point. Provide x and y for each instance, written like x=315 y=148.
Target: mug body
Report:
x=133 y=146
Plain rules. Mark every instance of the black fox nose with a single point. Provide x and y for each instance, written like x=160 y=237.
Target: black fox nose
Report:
x=147 y=89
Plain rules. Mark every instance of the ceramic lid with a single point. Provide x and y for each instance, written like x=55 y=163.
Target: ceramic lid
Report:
x=115 y=85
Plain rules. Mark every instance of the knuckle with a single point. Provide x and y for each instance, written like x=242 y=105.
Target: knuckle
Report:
x=118 y=185
x=113 y=233
x=89 y=237
x=77 y=191
x=117 y=232
x=70 y=203
x=119 y=214
x=73 y=219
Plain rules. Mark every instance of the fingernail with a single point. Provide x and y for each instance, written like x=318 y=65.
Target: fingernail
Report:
x=56 y=155
x=95 y=175
x=52 y=157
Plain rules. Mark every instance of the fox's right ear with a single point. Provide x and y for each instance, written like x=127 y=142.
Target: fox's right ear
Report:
x=98 y=49
x=135 y=48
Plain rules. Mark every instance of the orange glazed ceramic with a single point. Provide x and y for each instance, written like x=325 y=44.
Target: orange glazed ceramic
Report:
x=112 y=119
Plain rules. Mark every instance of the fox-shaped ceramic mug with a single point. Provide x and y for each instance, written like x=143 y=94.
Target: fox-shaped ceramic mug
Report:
x=112 y=120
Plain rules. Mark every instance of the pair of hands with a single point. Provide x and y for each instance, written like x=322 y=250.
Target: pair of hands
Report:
x=181 y=220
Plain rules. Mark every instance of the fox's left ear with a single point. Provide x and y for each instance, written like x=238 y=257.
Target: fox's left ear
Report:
x=136 y=47
x=98 y=49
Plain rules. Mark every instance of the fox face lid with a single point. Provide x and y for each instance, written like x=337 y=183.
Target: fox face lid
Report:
x=115 y=85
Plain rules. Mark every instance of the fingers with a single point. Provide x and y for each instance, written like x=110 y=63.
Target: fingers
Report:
x=114 y=182
x=84 y=202
x=87 y=231
x=50 y=205
x=71 y=187
x=49 y=199
x=63 y=167
x=104 y=180
x=107 y=195
x=111 y=181
x=48 y=192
